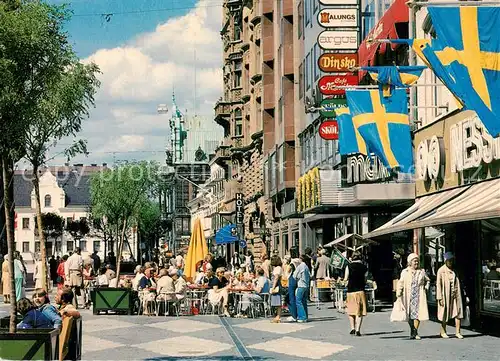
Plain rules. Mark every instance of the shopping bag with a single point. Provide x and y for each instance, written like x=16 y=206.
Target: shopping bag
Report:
x=466 y=320
x=398 y=313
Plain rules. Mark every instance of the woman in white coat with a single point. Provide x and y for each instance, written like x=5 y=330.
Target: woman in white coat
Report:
x=449 y=296
x=412 y=291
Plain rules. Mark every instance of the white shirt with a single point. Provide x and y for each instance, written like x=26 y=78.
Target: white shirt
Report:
x=180 y=261
x=102 y=280
x=74 y=262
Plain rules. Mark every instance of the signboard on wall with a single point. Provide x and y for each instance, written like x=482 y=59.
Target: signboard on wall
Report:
x=328 y=84
x=328 y=106
x=338 y=40
x=338 y=18
x=453 y=152
x=240 y=208
x=339 y=2
x=329 y=130
x=334 y=62
x=360 y=168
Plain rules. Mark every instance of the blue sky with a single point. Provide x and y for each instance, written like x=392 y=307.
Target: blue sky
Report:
x=144 y=53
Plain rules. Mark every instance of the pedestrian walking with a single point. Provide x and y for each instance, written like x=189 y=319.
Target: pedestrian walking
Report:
x=302 y=275
x=412 y=290
x=277 y=273
x=6 y=285
x=19 y=276
x=356 y=298
x=73 y=274
x=449 y=296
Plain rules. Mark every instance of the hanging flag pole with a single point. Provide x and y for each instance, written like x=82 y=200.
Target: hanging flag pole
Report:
x=453 y=3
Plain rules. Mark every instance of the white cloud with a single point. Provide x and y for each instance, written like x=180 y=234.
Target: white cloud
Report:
x=142 y=73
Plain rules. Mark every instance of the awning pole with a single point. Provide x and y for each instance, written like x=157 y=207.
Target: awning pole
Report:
x=376 y=86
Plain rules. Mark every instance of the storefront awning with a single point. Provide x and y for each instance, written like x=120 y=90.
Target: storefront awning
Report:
x=358 y=242
x=387 y=28
x=474 y=202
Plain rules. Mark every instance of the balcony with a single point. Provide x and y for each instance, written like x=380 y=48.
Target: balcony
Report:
x=287 y=7
x=222 y=155
x=267 y=7
x=289 y=210
x=223 y=113
x=288 y=68
x=269 y=96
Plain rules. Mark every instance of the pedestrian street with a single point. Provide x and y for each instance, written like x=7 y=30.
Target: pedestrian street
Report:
x=326 y=336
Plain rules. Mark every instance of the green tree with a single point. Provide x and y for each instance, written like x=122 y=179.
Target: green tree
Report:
x=119 y=194
x=78 y=229
x=34 y=56
x=149 y=222
x=53 y=225
x=59 y=114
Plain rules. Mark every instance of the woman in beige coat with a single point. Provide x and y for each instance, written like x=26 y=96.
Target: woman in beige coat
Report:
x=6 y=280
x=412 y=291
x=449 y=296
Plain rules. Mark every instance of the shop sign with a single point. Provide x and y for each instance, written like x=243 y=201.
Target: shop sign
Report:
x=333 y=62
x=365 y=169
x=339 y=2
x=329 y=130
x=338 y=40
x=453 y=152
x=328 y=106
x=239 y=208
x=328 y=84
x=338 y=18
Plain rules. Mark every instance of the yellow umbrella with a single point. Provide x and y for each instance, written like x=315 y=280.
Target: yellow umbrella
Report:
x=197 y=250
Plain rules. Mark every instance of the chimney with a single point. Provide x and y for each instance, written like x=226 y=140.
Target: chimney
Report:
x=94 y=164
x=104 y=165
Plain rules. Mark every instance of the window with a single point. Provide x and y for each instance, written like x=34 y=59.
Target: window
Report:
x=307 y=5
x=317 y=53
x=37 y=246
x=70 y=246
x=48 y=201
x=26 y=223
x=308 y=73
x=69 y=220
x=58 y=246
x=26 y=247
x=237 y=79
x=272 y=169
x=97 y=246
x=301 y=80
x=490 y=257
x=237 y=33
x=265 y=177
x=238 y=130
x=281 y=164
x=83 y=245
x=83 y=219
x=186 y=225
x=300 y=11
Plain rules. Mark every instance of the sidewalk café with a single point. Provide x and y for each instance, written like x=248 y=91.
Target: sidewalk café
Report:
x=457 y=209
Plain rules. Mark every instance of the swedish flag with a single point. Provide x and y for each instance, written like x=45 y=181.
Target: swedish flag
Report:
x=390 y=77
x=350 y=141
x=384 y=125
x=466 y=57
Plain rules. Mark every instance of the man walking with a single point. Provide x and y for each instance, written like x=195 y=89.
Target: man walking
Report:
x=73 y=271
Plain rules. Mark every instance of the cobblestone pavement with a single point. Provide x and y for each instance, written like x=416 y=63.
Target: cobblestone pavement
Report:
x=325 y=337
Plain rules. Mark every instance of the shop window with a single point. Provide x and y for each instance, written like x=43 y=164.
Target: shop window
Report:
x=26 y=247
x=490 y=262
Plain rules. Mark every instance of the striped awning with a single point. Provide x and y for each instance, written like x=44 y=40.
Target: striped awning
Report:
x=474 y=202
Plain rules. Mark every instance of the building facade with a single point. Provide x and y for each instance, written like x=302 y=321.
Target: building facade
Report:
x=64 y=191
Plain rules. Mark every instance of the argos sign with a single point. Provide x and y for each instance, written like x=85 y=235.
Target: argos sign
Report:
x=338 y=40
x=329 y=130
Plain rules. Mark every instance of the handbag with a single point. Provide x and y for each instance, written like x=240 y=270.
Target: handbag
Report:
x=398 y=313
x=466 y=320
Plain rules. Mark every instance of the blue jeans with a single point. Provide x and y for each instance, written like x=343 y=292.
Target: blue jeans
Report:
x=301 y=300
x=292 y=305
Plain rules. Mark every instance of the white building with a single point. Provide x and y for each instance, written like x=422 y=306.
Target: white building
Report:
x=64 y=191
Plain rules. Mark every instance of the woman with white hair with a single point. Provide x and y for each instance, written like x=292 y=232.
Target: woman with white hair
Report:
x=139 y=273
x=412 y=291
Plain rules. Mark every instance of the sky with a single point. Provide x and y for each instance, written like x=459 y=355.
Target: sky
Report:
x=146 y=49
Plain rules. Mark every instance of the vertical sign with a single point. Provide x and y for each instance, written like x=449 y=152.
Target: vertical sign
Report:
x=239 y=208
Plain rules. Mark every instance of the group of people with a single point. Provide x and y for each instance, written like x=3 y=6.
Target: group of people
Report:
x=20 y=274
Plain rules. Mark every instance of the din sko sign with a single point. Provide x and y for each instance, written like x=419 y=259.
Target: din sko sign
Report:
x=333 y=62
x=328 y=84
x=339 y=2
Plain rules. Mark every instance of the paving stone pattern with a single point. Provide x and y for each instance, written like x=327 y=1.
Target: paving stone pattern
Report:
x=325 y=337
